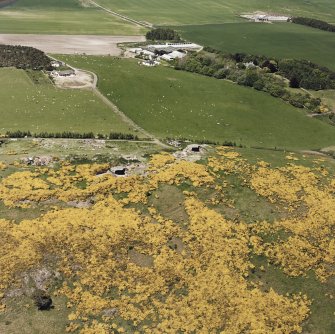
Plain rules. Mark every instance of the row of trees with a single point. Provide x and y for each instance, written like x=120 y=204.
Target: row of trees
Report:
x=252 y=71
x=71 y=135
x=314 y=23
x=23 y=57
x=301 y=73
x=163 y=34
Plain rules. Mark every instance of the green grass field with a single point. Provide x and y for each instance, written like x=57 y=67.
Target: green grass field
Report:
x=42 y=107
x=281 y=40
x=180 y=12
x=170 y=103
x=61 y=17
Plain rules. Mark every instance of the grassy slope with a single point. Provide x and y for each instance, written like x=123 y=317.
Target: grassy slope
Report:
x=278 y=40
x=171 y=103
x=179 y=12
x=328 y=96
x=61 y=17
x=25 y=106
x=248 y=205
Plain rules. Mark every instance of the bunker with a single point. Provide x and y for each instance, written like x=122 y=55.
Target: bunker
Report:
x=196 y=148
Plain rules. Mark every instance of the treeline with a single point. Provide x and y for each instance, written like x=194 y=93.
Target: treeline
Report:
x=301 y=73
x=304 y=74
x=318 y=24
x=163 y=34
x=23 y=57
x=71 y=135
x=258 y=72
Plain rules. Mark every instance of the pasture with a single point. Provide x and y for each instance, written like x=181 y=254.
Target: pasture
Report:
x=169 y=103
x=328 y=96
x=282 y=40
x=182 y=12
x=61 y=17
x=42 y=107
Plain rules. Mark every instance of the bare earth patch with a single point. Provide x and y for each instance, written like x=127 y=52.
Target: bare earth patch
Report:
x=71 y=44
x=80 y=80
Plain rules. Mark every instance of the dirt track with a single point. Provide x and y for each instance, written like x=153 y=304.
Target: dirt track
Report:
x=71 y=44
x=123 y=17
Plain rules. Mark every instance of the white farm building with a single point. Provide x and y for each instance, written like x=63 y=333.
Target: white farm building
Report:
x=175 y=46
x=263 y=17
x=173 y=55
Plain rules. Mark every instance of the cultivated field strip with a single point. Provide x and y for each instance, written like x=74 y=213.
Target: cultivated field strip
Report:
x=71 y=44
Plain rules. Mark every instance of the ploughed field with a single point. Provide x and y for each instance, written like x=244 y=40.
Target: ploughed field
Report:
x=170 y=103
x=71 y=44
x=281 y=40
x=41 y=107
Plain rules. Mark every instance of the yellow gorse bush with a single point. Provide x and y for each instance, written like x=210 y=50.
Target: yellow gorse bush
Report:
x=117 y=262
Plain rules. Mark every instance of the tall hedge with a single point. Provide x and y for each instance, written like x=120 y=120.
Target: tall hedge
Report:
x=314 y=23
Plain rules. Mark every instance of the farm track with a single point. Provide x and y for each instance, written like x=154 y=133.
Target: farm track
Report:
x=125 y=18
x=117 y=111
x=127 y=120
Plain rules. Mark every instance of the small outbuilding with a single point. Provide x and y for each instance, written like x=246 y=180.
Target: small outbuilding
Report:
x=135 y=50
x=66 y=73
x=57 y=63
x=148 y=53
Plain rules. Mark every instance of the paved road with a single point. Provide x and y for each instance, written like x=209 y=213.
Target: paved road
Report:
x=125 y=18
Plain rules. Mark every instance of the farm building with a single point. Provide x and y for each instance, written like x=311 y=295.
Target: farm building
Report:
x=136 y=50
x=173 y=55
x=147 y=53
x=170 y=47
x=263 y=17
x=150 y=63
x=57 y=64
x=66 y=73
